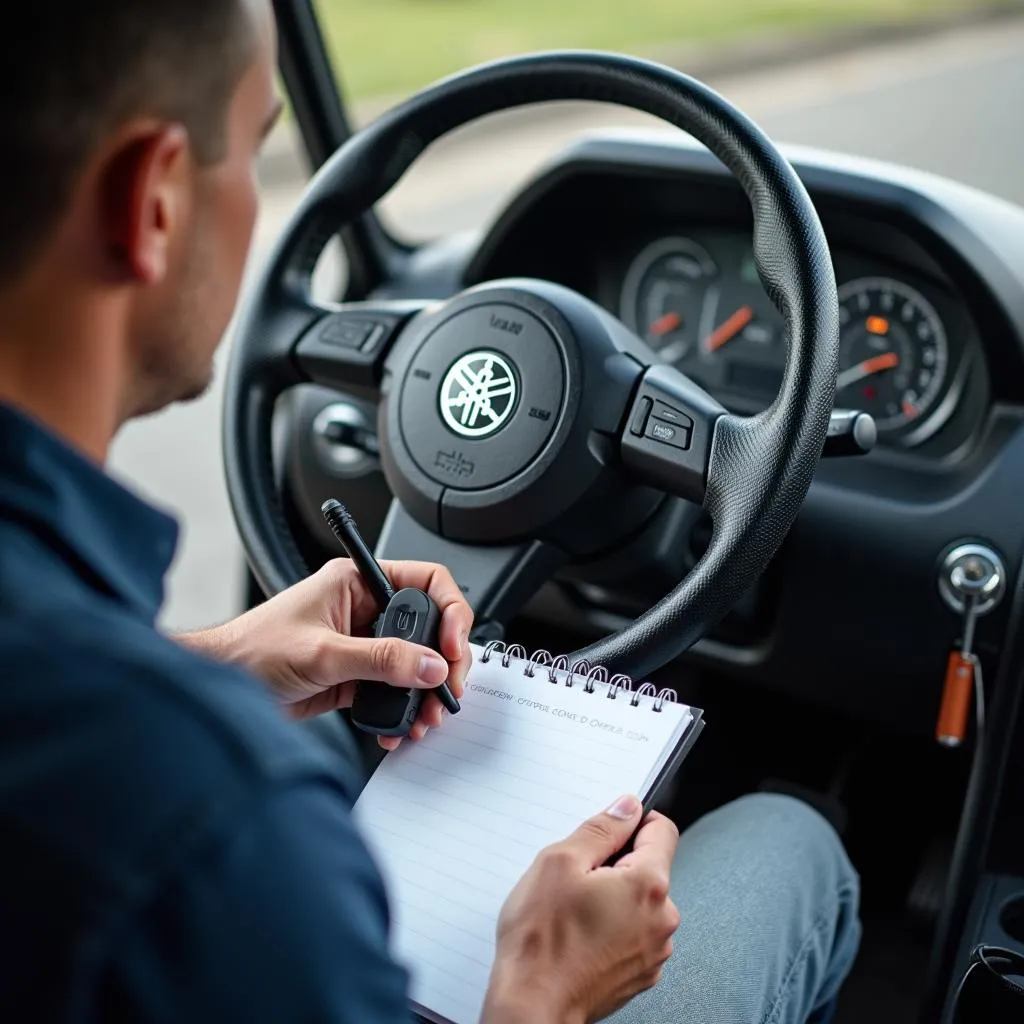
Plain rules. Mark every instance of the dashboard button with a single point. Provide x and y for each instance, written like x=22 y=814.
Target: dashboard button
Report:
x=643 y=410
x=347 y=333
x=665 y=413
x=677 y=437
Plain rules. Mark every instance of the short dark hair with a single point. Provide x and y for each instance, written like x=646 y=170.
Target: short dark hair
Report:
x=71 y=71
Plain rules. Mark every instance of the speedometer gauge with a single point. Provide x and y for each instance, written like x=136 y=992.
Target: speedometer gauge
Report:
x=663 y=294
x=893 y=353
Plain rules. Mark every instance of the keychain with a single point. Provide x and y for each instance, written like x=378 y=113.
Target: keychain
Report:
x=973 y=585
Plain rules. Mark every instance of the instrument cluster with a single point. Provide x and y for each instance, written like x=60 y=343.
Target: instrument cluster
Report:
x=697 y=299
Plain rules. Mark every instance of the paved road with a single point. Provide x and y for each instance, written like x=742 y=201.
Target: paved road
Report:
x=949 y=104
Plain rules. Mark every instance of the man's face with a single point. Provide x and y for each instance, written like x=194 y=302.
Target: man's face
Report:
x=179 y=323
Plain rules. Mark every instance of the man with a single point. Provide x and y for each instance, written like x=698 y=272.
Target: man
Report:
x=173 y=848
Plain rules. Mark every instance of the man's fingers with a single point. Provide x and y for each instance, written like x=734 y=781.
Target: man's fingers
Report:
x=438 y=582
x=654 y=845
x=603 y=835
x=456 y=614
x=431 y=714
x=431 y=717
x=456 y=622
x=388 y=660
x=435 y=579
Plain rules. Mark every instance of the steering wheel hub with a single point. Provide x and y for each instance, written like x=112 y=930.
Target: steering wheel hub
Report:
x=499 y=412
x=480 y=393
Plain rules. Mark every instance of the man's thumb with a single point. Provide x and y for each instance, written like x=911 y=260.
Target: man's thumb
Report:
x=390 y=660
x=603 y=835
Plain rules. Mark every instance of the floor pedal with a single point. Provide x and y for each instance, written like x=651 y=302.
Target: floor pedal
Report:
x=929 y=887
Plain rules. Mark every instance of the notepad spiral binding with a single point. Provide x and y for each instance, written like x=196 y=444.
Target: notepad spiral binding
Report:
x=592 y=674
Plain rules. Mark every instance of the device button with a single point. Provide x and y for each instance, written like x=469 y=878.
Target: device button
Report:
x=347 y=333
x=403 y=625
x=667 y=414
x=677 y=437
x=643 y=410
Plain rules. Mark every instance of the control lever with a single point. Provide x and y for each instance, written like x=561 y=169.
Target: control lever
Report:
x=850 y=432
x=352 y=436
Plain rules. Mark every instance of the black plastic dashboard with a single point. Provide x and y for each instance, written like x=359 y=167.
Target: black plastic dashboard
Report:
x=931 y=279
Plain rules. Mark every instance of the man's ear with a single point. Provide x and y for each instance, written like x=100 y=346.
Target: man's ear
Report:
x=145 y=200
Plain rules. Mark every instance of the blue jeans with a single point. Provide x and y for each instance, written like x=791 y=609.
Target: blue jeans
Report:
x=769 y=925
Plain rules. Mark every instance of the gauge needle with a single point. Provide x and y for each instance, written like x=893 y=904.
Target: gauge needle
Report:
x=876 y=364
x=665 y=324
x=728 y=330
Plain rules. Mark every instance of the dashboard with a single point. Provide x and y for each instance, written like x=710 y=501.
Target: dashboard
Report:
x=930 y=277
x=675 y=264
x=695 y=297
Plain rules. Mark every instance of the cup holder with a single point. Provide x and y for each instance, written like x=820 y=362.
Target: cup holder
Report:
x=1011 y=918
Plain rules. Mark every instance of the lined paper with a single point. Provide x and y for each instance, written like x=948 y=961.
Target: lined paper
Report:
x=455 y=820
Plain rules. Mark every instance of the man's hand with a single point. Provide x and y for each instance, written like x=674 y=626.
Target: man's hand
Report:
x=577 y=940
x=310 y=642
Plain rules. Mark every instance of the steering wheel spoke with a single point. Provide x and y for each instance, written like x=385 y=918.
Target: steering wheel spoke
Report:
x=346 y=346
x=669 y=433
x=496 y=581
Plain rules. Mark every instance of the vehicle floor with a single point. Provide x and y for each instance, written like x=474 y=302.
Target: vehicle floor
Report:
x=900 y=798
x=895 y=796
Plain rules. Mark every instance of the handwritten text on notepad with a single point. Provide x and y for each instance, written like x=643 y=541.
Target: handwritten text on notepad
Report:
x=590 y=722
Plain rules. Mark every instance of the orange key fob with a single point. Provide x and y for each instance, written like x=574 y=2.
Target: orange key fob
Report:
x=956 y=700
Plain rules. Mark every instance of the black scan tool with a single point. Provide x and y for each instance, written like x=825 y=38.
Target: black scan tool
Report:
x=385 y=710
x=409 y=615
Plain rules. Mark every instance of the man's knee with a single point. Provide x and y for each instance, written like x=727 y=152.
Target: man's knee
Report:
x=775 y=864
x=769 y=901
x=769 y=926
x=778 y=836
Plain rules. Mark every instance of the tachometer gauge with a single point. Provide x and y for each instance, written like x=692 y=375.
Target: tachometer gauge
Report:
x=893 y=353
x=663 y=294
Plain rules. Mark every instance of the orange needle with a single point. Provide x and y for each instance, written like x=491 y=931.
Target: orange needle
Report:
x=876 y=364
x=669 y=322
x=729 y=329
x=886 y=361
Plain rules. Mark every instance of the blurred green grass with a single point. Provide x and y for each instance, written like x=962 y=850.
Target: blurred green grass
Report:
x=386 y=47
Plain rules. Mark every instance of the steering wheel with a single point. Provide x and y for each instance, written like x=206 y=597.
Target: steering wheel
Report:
x=520 y=424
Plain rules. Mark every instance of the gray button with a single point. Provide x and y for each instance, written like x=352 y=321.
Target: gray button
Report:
x=404 y=623
x=346 y=333
x=665 y=412
x=677 y=437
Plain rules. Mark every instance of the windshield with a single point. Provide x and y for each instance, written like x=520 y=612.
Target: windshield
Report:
x=851 y=75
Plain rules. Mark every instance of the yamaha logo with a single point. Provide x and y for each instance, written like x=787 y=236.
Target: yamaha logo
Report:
x=478 y=394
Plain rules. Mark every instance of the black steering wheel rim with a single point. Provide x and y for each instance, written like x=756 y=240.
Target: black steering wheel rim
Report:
x=760 y=467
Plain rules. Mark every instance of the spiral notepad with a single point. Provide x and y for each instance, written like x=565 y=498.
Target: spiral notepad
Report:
x=455 y=820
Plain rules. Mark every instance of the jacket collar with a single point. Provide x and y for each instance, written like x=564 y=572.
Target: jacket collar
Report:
x=107 y=536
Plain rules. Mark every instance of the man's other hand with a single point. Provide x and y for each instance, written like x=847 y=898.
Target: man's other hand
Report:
x=576 y=939
x=311 y=643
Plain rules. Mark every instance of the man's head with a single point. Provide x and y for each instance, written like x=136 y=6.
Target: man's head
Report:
x=127 y=189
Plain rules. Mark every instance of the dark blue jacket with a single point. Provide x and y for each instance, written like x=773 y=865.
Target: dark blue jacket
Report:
x=171 y=848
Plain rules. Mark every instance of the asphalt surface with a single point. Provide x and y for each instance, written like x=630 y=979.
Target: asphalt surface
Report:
x=949 y=103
